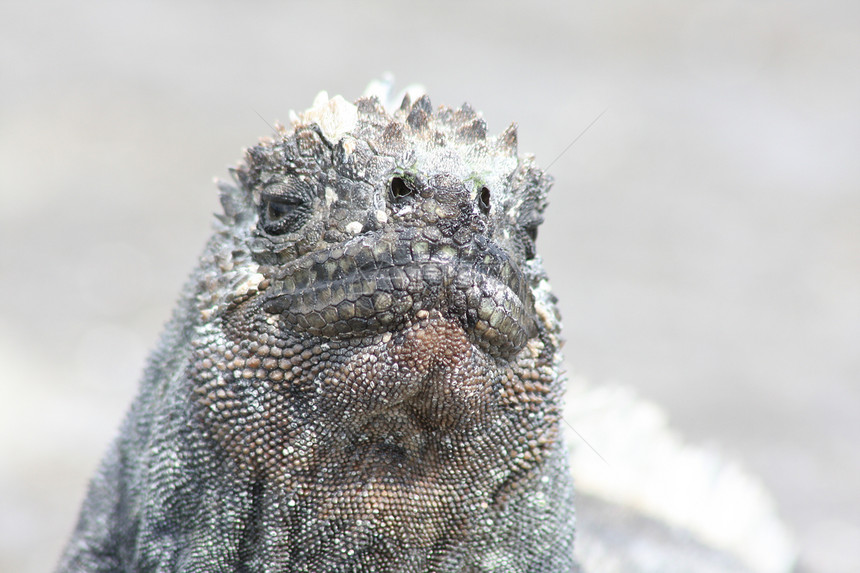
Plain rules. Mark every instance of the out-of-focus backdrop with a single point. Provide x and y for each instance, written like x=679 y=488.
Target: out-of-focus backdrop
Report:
x=703 y=236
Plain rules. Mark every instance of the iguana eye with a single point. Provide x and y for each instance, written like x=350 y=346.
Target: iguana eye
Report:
x=283 y=210
x=277 y=209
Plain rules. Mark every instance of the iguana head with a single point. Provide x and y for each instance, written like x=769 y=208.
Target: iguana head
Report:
x=363 y=219
x=378 y=336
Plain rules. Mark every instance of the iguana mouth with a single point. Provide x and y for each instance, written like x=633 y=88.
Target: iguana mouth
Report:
x=379 y=281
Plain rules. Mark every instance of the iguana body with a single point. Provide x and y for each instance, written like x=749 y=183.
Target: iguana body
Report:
x=363 y=372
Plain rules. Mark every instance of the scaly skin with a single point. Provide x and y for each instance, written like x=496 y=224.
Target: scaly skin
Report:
x=363 y=372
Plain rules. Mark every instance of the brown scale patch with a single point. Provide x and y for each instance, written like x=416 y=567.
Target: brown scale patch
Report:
x=407 y=462
x=430 y=371
x=415 y=434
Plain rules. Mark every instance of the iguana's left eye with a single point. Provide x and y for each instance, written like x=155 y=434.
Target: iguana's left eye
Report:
x=278 y=208
x=284 y=209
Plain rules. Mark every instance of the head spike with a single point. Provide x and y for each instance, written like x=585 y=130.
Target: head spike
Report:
x=474 y=131
x=420 y=114
x=466 y=112
x=508 y=139
x=407 y=102
x=423 y=103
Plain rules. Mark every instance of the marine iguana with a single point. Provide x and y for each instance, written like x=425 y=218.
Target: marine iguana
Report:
x=363 y=372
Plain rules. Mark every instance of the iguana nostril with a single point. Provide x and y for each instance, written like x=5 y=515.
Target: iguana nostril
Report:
x=484 y=200
x=399 y=188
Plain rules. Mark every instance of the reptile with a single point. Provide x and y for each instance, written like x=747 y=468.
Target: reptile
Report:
x=362 y=374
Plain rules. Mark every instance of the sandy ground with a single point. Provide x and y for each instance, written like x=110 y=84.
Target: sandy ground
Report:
x=703 y=236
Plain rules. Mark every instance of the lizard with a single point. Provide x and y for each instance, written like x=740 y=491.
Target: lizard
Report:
x=362 y=374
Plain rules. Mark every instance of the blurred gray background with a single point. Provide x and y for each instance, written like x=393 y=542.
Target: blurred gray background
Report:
x=703 y=235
